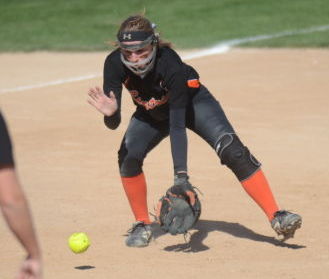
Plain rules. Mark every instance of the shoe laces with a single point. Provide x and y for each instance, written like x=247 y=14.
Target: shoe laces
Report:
x=281 y=213
x=135 y=226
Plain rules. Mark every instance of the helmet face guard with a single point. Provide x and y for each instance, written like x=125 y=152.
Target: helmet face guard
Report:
x=142 y=67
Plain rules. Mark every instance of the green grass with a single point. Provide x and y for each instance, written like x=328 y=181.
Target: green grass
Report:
x=86 y=25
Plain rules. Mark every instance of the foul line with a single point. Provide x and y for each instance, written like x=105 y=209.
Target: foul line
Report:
x=221 y=47
x=56 y=82
x=225 y=46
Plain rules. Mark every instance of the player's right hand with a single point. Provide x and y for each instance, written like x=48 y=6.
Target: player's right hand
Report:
x=107 y=105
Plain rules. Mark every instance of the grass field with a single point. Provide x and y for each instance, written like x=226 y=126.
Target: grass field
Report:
x=28 y=25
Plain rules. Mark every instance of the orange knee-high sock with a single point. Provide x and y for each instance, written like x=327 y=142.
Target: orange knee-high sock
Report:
x=136 y=192
x=258 y=188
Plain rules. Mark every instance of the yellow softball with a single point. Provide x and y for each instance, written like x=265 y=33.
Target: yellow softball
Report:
x=79 y=242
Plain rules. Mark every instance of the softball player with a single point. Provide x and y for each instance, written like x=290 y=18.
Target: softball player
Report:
x=170 y=98
x=15 y=208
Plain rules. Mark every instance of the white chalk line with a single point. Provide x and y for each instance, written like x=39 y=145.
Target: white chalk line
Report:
x=56 y=82
x=219 y=48
x=225 y=46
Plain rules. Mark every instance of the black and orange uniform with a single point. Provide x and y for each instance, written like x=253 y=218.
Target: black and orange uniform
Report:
x=169 y=99
x=6 y=154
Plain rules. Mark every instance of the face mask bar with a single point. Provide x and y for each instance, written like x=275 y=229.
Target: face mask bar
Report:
x=142 y=67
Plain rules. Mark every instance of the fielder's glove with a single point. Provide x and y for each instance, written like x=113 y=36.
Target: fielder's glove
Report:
x=180 y=208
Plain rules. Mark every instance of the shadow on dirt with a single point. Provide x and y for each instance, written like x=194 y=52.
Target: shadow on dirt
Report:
x=204 y=227
x=84 y=267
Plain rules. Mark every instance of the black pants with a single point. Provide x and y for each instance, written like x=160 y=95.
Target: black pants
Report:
x=204 y=116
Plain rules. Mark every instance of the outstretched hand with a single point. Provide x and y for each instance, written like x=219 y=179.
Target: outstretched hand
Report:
x=107 y=105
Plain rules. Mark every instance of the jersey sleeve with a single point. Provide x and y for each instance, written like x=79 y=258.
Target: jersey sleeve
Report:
x=176 y=83
x=6 y=152
x=113 y=75
x=178 y=139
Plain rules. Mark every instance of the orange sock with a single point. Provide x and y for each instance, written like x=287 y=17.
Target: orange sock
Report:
x=136 y=192
x=258 y=188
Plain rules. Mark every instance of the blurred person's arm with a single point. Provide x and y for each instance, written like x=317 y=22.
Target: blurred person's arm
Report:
x=16 y=211
x=15 y=208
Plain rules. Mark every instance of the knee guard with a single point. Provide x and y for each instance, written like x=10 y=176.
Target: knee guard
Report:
x=236 y=156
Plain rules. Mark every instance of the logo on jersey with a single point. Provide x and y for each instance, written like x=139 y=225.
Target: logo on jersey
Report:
x=151 y=103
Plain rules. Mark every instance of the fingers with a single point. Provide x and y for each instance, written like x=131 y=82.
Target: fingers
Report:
x=92 y=102
x=28 y=272
x=173 y=195
x=95 y=93
x=93 y=98
x=96 y=90
x=191 y=196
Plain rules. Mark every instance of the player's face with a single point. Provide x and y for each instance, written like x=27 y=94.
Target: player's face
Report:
x=137 y=55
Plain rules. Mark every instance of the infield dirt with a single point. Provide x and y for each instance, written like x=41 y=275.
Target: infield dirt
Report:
x=277 y=100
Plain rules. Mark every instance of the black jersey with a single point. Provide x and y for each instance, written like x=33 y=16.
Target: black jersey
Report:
x=6 y=155
x=162 y=94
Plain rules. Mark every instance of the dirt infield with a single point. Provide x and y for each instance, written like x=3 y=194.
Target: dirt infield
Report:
x=277 y=101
